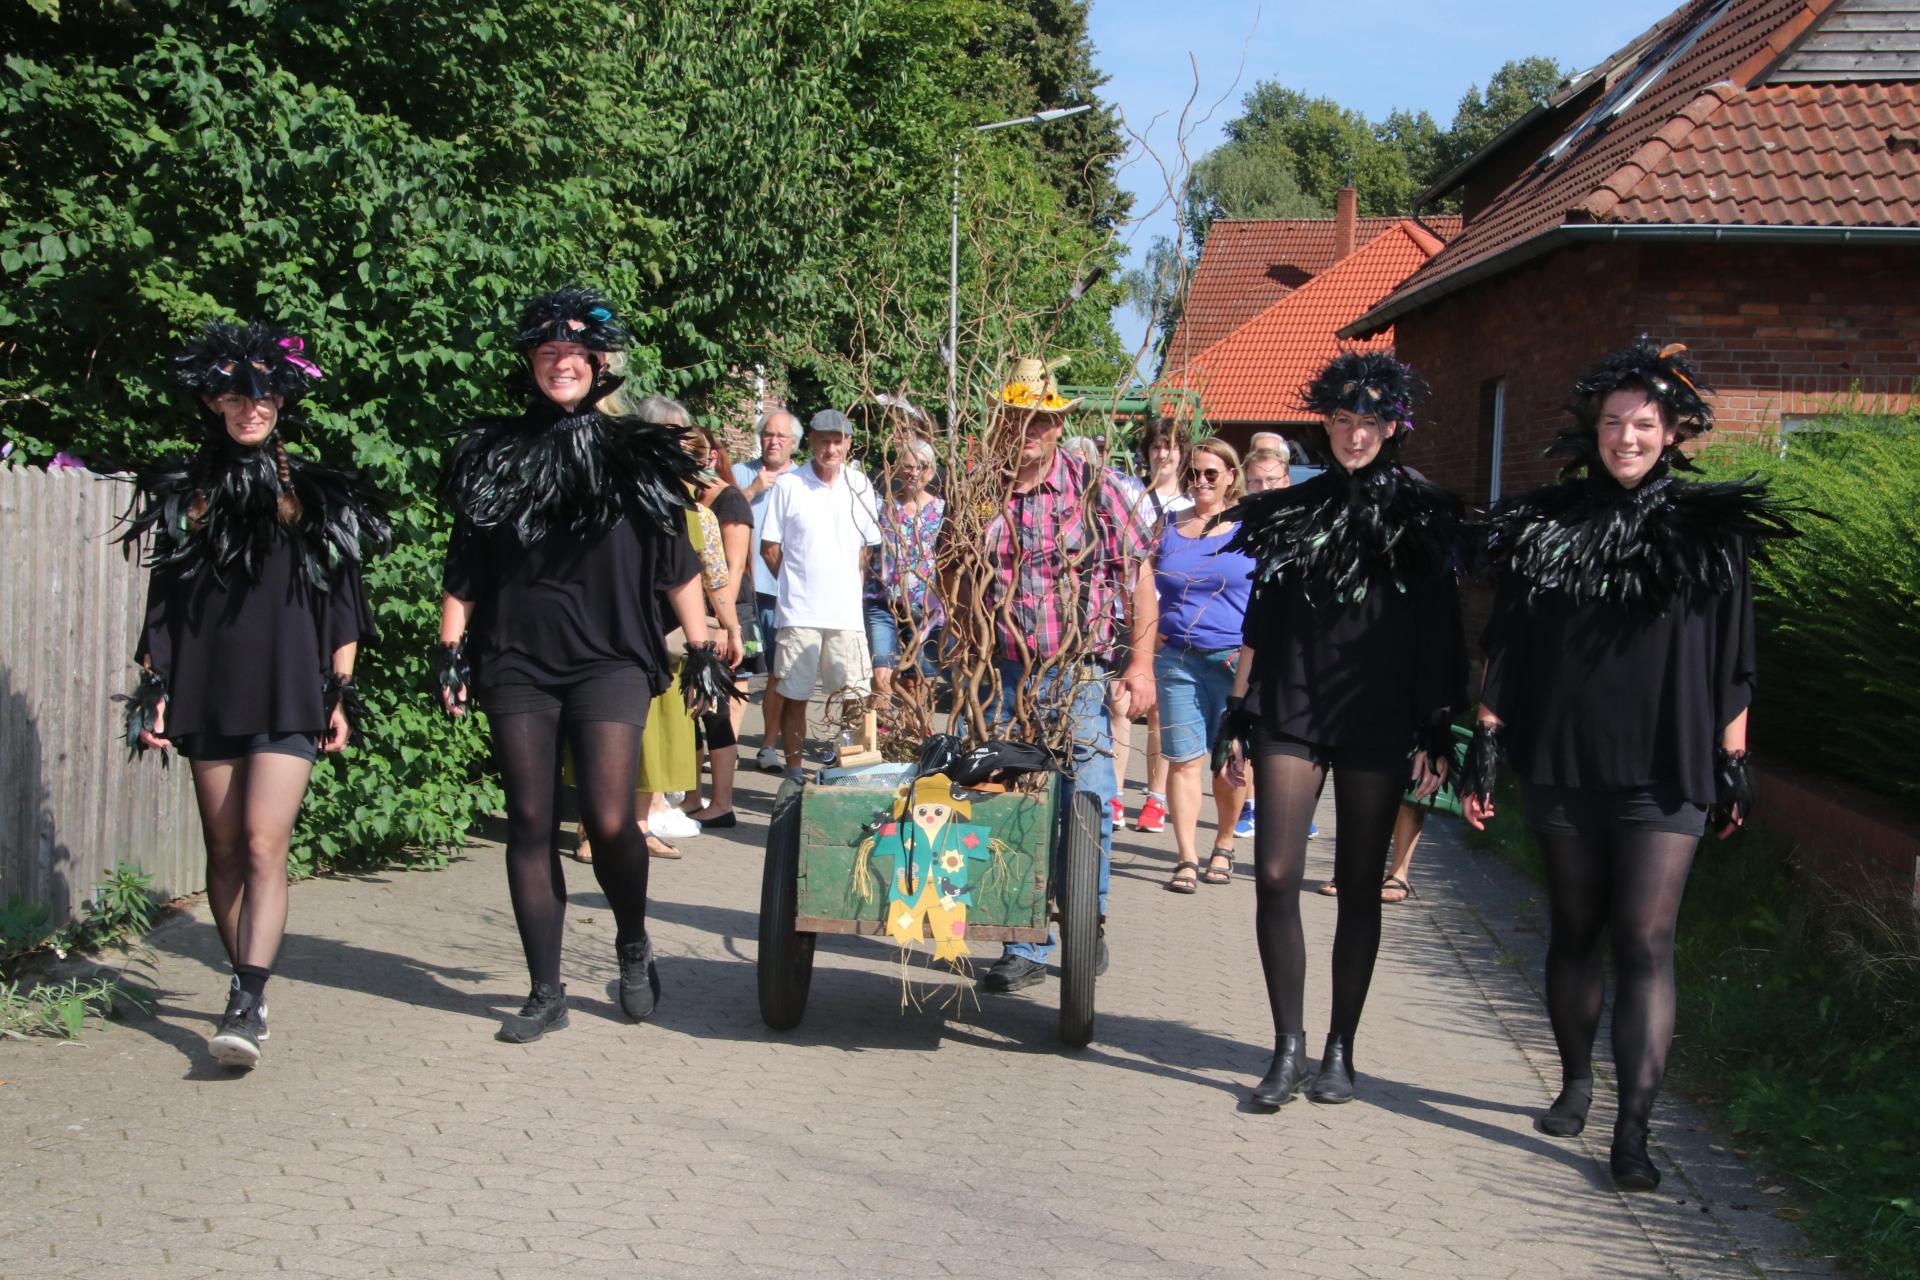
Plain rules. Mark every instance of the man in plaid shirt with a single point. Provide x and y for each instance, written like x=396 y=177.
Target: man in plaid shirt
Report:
x=1071 y=599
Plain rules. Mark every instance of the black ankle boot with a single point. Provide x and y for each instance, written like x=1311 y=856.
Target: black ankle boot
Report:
x=1631 y=1166
x=639 y=979
x=1286 y=1075
x=1568 y=1114
x=1335 y=1081
x=544 y=1011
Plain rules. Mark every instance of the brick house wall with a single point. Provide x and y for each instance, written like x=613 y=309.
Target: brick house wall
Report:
x=1775 y=329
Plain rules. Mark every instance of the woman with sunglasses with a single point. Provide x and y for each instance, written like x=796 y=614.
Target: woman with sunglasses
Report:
x=1352 y=660
x=1203 y=588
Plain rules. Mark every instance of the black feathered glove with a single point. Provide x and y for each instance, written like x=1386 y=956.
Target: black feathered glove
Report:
x=1733 y=788
x=340 y=694
x=706 y=680
x=1236 y=726
x=143 y=711
x=1434 y=739
x=450 y=670
x=1485 y=754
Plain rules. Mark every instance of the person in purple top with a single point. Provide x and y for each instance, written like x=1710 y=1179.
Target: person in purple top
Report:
x=1203 y=589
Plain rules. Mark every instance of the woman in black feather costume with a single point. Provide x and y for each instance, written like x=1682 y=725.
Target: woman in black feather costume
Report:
x=569 y=555
x=255 y=614
x=1620 y=666
x=1352 y=660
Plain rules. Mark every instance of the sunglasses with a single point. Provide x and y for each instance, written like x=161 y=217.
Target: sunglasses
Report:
x=1212 y=475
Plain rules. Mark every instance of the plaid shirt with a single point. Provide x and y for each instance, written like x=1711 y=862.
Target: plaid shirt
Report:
x=1064 y=562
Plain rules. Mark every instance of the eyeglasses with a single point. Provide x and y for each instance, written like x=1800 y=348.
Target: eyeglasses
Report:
x=1212 y=475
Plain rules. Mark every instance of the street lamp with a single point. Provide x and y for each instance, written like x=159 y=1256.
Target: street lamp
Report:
x=953 y=256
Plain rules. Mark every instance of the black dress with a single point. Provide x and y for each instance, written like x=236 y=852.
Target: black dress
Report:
x=1354 y=618
x=243 y=614
x=1622 y=640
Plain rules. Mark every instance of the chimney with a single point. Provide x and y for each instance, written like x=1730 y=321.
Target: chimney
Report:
x=1346 y=222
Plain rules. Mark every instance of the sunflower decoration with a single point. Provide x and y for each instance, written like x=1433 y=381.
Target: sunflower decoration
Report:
x=1033 y=387
x=931 y=846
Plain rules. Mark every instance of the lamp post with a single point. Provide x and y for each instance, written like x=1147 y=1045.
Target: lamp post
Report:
x=953 y=257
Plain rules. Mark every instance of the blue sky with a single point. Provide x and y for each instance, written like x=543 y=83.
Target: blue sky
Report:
x=1421 y=56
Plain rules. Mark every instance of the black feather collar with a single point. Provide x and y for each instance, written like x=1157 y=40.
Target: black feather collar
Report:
x=217 y=512
x=553 y=471
x=1342 y=534
x=1591 y=540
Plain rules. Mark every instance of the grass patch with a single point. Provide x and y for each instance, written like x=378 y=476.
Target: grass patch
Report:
x=61 y=1009
x=1799 y=1022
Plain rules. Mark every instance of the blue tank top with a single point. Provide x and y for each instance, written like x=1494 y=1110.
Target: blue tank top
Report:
x=1203 y=589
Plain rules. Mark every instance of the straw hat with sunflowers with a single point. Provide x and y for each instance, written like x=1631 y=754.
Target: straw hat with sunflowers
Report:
x=1032 y=386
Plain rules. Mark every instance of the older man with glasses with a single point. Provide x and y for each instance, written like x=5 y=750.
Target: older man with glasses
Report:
x=779 y=435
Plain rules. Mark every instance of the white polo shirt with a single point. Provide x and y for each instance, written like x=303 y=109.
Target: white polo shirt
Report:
x=821 y=529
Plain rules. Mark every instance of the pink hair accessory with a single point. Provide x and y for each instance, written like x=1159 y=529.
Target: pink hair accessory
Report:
x=293 y=347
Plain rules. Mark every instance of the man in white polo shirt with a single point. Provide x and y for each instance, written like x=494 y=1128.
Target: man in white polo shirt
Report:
x=819 y=524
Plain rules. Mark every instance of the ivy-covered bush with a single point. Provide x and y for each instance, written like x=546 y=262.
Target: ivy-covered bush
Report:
x=1839 y=607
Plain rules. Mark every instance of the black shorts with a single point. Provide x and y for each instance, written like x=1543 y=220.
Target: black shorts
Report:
x=1329 y=756
x=716 y=731
x=1591 y=813
x=622 y=696
x=236 y=746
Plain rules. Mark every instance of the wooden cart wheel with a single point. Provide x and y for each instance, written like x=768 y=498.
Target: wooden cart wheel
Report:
x=1078 y=894
x=786 y=954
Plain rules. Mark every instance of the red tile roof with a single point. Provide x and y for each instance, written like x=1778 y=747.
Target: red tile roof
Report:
x=1698 y=145
x=1255 y=373
x=1804 y=155
x=1247 y=265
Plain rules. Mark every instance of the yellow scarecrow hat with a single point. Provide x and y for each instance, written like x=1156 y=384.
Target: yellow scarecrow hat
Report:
x=1032 y=387
x=935 y=789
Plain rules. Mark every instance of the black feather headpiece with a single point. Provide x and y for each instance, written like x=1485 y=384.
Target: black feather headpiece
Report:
x=555 y=470
x=1343 y=533
x=1664 y=373
x=221 y=510
x=571 y=314
x=1364 y=382
x=256 y=360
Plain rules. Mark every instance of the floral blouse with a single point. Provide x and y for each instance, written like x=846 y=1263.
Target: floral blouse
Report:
x=905 y=564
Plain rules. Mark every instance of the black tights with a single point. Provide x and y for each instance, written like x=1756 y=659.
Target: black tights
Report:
x=1365 y=803
x=606 y=764
x=1621 y=891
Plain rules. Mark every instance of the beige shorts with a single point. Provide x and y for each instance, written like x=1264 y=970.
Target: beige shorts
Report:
x=809 y=659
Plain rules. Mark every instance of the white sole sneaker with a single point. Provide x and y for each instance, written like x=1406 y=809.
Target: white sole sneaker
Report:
x=235 y=1051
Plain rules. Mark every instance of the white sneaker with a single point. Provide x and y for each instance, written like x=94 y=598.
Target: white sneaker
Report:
x=770 y=761
x=672 y=823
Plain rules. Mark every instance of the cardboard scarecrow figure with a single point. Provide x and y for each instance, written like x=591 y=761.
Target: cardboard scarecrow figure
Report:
x=929 y=850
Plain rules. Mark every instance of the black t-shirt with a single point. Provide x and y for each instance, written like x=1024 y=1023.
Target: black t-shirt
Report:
x=251 y=657
x=1363 y=675
x=1604 y=697
x=570 y=606
x=730 y=506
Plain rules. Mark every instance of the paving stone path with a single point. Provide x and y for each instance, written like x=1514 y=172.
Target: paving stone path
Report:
x=387 y=1134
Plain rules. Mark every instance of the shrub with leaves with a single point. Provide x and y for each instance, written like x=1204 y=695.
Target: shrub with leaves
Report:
x=1839 y=607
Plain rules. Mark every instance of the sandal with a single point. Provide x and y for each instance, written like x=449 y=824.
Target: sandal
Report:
x=658 y=848
x=582 y=847
x=1185 y=883
x=1215 y=875
x=1392 y=883
x=1328 y=890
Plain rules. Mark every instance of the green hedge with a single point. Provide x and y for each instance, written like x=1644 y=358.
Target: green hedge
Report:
x=1839 y=607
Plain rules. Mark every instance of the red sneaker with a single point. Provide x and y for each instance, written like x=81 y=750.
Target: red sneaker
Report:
x=1153 y=815
x=1119 y=814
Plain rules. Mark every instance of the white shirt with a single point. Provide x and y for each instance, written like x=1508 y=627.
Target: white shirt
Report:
x=821 y=529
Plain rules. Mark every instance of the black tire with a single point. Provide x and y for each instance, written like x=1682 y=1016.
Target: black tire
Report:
x=786 y=954
x=1078 y=896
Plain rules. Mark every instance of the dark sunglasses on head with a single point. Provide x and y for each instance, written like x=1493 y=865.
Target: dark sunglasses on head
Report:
x=1210 y=475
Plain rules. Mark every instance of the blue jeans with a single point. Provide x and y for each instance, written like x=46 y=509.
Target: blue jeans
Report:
x=1092 y=769
x=883 y=640
x=1194 y=687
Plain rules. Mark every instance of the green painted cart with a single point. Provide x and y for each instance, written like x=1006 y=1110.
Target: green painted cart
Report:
x=1037 y=862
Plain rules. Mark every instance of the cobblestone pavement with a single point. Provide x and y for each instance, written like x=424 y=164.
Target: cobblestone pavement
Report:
x=387 y=1134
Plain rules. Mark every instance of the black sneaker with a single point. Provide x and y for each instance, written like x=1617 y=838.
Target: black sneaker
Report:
x=237 y=1043
x=544 y=1011
x=261 y=1011
x=639 y=979
x=1013 y=973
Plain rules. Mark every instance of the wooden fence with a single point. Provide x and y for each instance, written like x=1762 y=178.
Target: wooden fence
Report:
x=71 y=804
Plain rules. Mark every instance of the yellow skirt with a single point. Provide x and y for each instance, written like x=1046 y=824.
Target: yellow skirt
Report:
x=668 y=759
